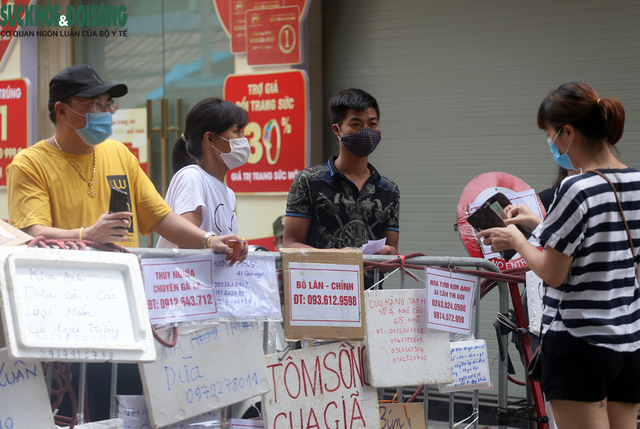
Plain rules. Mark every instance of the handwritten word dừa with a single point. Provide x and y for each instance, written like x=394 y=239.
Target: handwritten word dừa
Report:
x=19 y=371
x=185 y=375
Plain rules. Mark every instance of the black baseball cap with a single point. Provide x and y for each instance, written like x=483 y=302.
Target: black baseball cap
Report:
x=81 y=81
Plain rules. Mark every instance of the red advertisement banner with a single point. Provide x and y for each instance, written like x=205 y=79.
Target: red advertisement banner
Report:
x=273 y=36
x=13 y=122
x=277 y=104
x=231 y=14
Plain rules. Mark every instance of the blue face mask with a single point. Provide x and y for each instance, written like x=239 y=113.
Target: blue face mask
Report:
x=562 y=160
x=98 y=127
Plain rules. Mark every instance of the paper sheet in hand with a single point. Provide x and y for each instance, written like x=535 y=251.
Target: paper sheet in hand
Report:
x=374 y=246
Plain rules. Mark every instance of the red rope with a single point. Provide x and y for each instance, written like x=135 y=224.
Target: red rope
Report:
x=163 y=342
x=75 y=244
x=415 y=395
x=518 y=382
x=511 y=275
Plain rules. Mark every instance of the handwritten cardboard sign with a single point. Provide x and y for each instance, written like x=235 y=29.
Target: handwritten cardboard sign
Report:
x=208 y=287
x=249 y=289
x=133 y=411
x=25 y=402
x=323 y=294
x=401 y=351
x=320 y=387
x=402 y=416
x=209 y=368
x=74 y=306
x=450 y=299
x=470 y=367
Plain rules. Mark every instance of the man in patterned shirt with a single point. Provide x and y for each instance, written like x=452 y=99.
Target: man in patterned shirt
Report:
x=345 y=202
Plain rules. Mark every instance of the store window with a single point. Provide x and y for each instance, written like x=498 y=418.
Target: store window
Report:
x=175 y=50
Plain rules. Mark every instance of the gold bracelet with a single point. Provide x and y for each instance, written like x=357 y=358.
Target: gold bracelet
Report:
x=209 y=240
x=206 y=238
x=81 y=231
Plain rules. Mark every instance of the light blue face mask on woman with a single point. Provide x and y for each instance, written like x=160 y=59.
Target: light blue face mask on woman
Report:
x=98 y=128
x=562 y=160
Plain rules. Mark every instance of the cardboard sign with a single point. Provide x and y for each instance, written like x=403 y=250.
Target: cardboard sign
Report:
x=207 y=287
x=133 y=411
x=400 y=350
x=273 y=36
x=74 y=306
x=278 y=132
x=179 y=290
x=402 y=416
x=247 y=290
x=25 y=402
x=320 y=387
x=14 y=119
x=450 y=298
x=470 y=367
x=323 y=294
x=209 y=368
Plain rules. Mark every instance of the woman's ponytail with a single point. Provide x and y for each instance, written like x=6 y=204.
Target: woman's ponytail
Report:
x=613 y=116
x=180 y=156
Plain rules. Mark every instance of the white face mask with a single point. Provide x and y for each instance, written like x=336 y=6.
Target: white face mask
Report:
x=239 y=154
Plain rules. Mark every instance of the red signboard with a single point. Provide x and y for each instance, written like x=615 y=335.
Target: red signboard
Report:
x=277 y=131
x=273 y=36
x=238 y=19
x=7 y=40
x=13 y=122
x=234 y=10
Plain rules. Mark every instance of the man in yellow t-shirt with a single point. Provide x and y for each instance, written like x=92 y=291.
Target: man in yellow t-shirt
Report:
x=61 y=186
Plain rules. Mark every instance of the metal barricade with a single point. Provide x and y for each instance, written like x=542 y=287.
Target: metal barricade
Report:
x=425 y=261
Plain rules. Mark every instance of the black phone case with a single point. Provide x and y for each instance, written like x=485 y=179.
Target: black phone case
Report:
x=486 y=217
x=119 y=201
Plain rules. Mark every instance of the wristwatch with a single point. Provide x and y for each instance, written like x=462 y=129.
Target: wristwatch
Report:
x=207 y=237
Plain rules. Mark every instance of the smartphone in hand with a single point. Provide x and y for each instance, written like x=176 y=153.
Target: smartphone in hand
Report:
x=119 y=201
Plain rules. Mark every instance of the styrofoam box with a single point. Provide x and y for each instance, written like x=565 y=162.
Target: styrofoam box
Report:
x=67 y=305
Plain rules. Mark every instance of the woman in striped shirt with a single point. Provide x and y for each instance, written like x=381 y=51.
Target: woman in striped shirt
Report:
x=591 y=322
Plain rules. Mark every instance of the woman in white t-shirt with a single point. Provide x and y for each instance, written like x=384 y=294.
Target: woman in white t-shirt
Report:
x=212 y=144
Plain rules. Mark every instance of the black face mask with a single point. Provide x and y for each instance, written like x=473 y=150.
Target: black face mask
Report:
x=362 y=143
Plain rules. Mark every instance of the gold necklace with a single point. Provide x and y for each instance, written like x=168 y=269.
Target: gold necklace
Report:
x=90 y=192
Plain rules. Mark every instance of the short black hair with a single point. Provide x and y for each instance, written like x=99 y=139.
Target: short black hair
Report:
x=352 y=98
